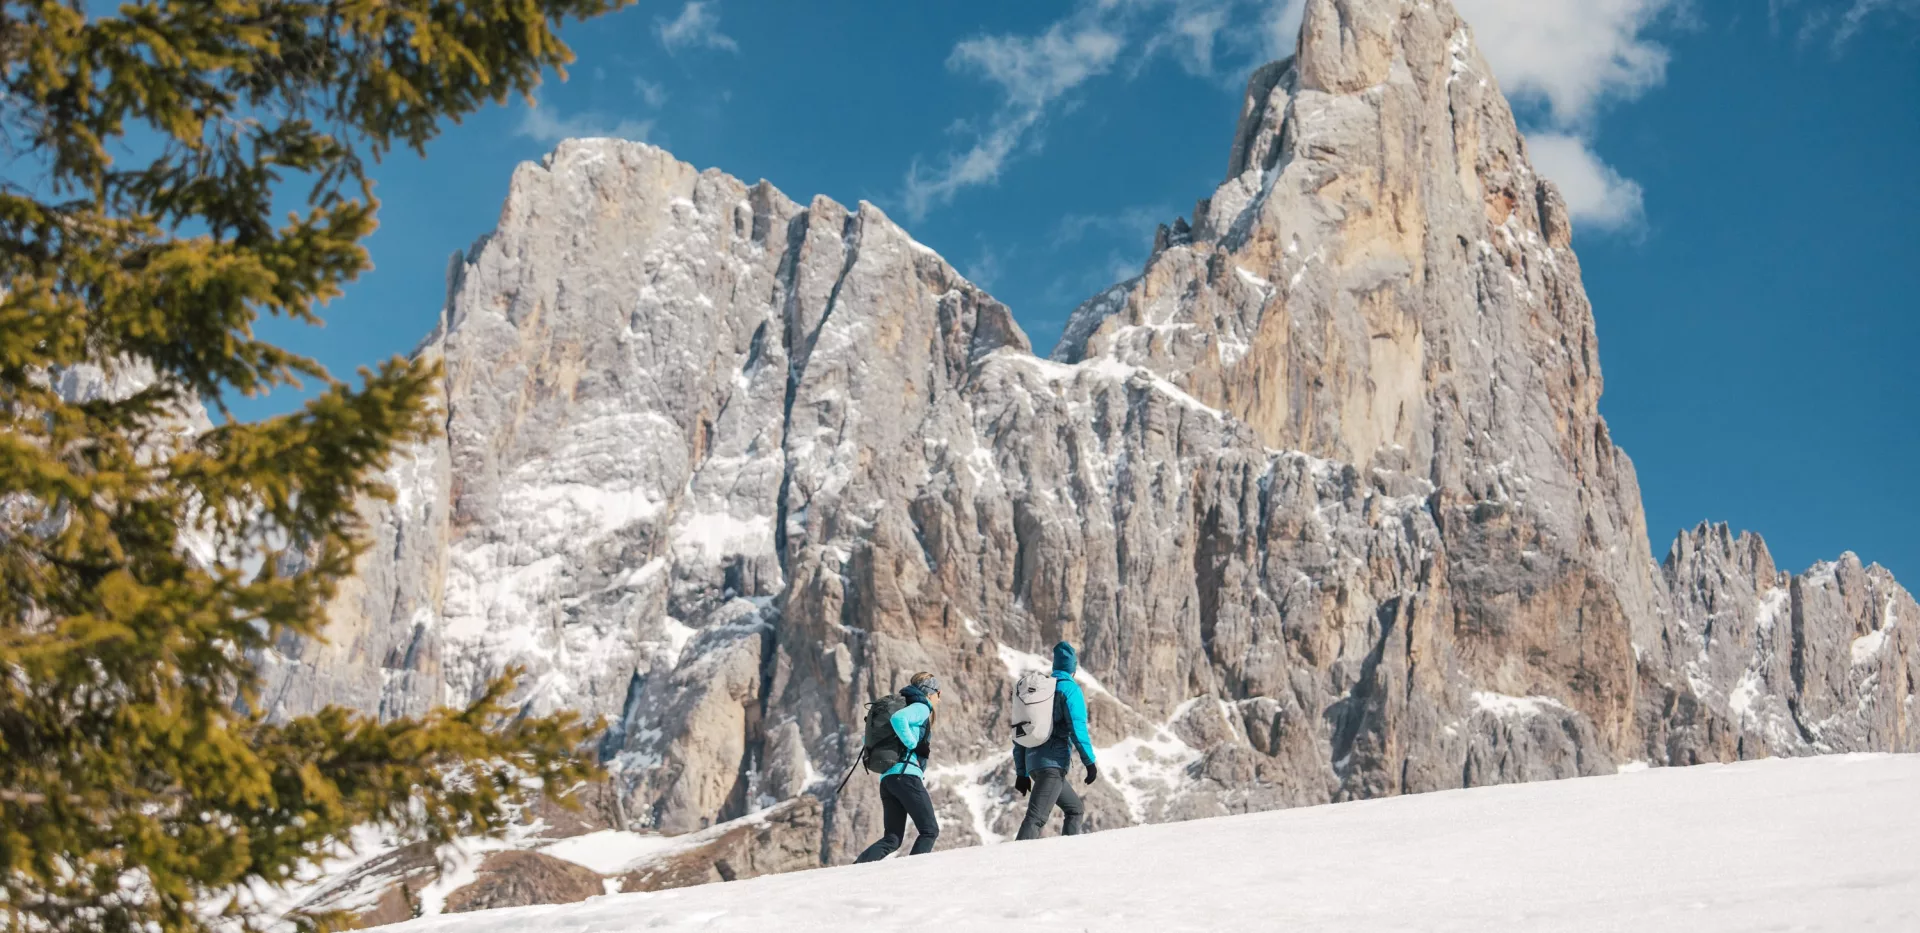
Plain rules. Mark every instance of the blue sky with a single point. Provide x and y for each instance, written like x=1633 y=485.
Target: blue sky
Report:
x=1742 y=173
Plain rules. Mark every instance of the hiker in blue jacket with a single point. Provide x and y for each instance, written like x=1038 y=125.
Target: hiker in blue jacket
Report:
x=903 y=793
x=1043 y=771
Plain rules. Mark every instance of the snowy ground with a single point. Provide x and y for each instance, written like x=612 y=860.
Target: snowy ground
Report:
x=1808 y=844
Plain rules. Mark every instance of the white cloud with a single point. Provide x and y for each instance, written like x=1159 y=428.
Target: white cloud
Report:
x=697 y=26
x=1197 y=31
x=1596 y=195
x=1570 y=54
x=652 y=93
x=1033 y=73
x=1191 y=32
x=547 y=124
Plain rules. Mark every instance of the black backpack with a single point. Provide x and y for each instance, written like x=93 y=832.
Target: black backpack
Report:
x=880 y=746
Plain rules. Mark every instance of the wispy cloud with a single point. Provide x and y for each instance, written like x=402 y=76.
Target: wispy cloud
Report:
x=1839 y=26
x=1070 y=288
x=654 y=94
x=544 y=122
x=1125 y=236
x=1862 y=10
x=1192 y=33
x=1130 y=223
x=1038 y=74
x=697 y=26
x=1033 y=73
x=984 y=270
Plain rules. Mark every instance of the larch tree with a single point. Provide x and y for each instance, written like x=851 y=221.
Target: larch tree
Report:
x=143 y=562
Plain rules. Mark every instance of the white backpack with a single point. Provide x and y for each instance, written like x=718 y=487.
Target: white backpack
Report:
x=1033 y=709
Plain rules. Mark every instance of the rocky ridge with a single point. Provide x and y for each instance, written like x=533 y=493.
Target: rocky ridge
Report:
x=1323 y=494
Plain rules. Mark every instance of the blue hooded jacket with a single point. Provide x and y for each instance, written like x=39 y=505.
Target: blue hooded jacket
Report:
x=1057 y=753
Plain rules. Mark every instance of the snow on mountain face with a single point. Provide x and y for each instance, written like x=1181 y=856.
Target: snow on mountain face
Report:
x=1822 y=844
x=1323 y=496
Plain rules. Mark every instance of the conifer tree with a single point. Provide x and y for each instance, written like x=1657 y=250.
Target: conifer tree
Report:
x=142 y=563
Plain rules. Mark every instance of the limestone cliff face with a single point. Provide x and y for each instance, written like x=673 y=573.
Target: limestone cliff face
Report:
x=1323 y=494
x=1383 y=280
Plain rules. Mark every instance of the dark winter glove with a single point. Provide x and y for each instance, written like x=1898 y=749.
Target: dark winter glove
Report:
x=1093 y=772
x=1022 y=784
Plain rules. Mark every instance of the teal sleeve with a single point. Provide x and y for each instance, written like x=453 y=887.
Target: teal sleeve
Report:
x=1019 y=760
x=1077 y=713
x=910 y=724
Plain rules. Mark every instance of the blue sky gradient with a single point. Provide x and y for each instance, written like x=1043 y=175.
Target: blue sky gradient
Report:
x=1749 y=236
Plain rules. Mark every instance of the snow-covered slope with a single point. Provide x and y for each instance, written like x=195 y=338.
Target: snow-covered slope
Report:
x=1809 y=844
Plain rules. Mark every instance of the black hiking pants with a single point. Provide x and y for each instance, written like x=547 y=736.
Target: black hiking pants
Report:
x=903 y=796
x=1050 y=787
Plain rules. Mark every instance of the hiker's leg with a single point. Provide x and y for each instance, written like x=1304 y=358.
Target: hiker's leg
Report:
x=1046 y=789
x=893 y=818
x=1071 y=805
x=913 y=797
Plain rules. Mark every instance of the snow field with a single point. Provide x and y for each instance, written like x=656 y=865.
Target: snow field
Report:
x=1802 y=844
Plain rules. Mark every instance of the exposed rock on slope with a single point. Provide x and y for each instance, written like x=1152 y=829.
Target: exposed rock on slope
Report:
x=1323 y=494
x=517 y=879
x=785 y=837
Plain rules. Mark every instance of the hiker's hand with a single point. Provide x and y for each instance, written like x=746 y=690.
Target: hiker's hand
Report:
x=1093 y=772
x=1022 y=784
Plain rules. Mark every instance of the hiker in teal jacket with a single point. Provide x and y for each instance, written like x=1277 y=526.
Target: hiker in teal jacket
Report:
x=903 y=793
x=912 y=724
x=1042 y=771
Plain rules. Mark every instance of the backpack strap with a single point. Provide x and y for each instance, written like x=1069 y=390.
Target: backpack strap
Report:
x=858 y=760
x=908 y=754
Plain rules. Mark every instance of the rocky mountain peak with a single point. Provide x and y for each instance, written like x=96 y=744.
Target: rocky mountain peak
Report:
x=1380 y=168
